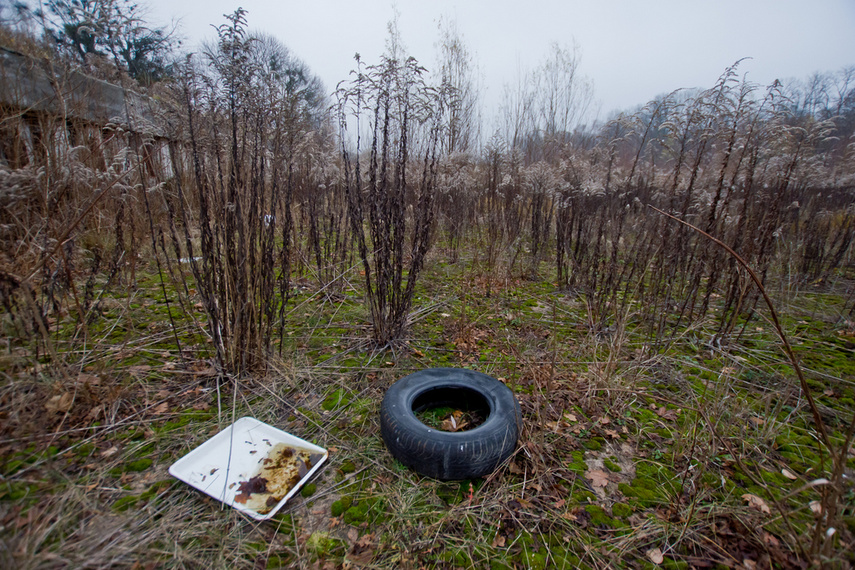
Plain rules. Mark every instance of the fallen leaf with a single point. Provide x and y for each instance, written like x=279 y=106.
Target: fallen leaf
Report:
x=525 y=504
x=419 y=353
x=514 y=468
x=570 y=417
x=454 y=422
x=605 y=420
x=499 y=541
x=598 y=477
x=95 y=413
x=360 y=560
x=161 y=408
x=559 y=503
x=757 y=421
x=655 y=556
x=90 y=379
x=612 y=433
x=816 y=507
x=756 y=502
x=770 y=540
x=789 y=474
x=201 y=405
x=60 y=403
x=110 y=452
x=353 y=535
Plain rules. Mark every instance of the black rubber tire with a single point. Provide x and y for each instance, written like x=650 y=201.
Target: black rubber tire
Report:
x=450 y=455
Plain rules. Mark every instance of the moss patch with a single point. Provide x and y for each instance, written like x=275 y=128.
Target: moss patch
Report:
x=340 y=506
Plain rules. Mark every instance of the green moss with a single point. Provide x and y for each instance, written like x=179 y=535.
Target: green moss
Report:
x=594 y=444
x=642 y=496
x=577 y=464
x=611 y=465
x=775 y=479
x=17 y=490
x=154 y=490
x=347 y=467
x=599 y=517
x=621 y=510
x=322 y=545
x=125 y=503
x=366 y=510
x=338 y=399
x=138 y=465
x=655 y=472
x=581 y=497
x=279 y=561
x=308 y=490
x=340 y=506
x=646 y=416
x=85 y=450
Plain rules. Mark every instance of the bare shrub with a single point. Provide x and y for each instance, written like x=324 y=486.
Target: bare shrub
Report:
x=390 y=191
x=247 y=123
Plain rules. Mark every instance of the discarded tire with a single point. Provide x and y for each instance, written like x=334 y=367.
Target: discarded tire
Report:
x=449 y=455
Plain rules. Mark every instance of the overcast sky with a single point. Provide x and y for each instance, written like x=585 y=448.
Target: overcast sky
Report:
x=633 y=50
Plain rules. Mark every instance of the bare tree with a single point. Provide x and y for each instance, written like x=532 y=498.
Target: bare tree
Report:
x=112 y=28
x=458 y=73
x=563 y=95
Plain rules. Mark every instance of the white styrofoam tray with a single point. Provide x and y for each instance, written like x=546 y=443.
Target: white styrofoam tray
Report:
x=221 y=464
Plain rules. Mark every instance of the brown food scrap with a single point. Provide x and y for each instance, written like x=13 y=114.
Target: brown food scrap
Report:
x=247 y=488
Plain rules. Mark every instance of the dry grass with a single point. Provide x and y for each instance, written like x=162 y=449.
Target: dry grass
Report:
x=660 y=418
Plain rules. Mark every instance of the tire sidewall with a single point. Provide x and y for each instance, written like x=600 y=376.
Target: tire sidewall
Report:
x=450 y=455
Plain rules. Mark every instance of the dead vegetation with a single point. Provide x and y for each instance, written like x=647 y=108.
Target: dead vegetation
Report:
x=155 y=289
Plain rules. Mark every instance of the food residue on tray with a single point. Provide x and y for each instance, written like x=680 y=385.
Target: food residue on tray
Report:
x=280 y=472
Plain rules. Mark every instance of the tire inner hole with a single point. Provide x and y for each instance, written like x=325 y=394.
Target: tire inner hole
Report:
x=451 y=408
